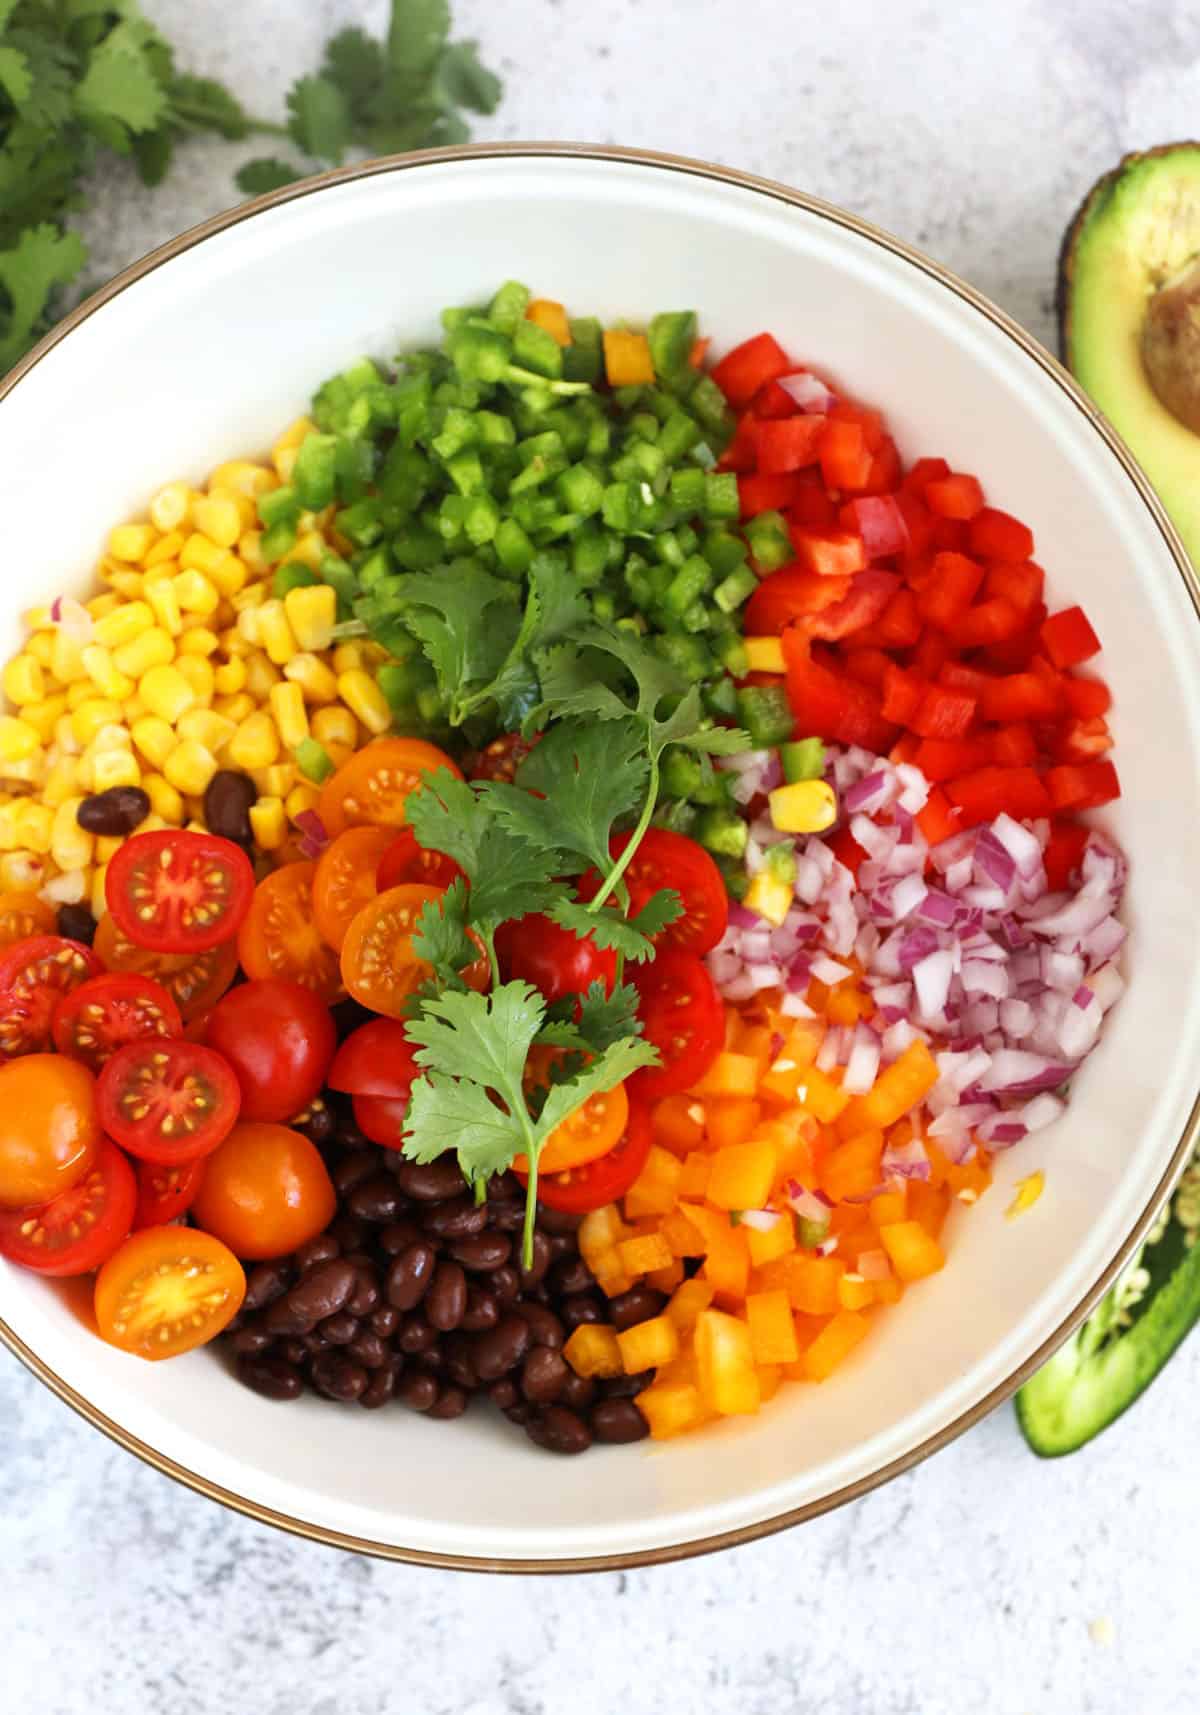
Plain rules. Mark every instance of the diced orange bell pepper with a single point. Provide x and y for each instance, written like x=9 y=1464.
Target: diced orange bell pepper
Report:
x=551 y=316
x=730 y=1120
x=969 y=1181
x=640 y=1255
x=835 y=1343
x=599 y=1231
x=730 y=1074
x=846 y=1005
x=742 y=1175
x=770 y=1376
x=772 y=1331
x=895 y=1092
x=689 y=1299
x=592 y=1350
x=888 y=1208
x=683 y=1236
x=913 y=1252
x=611 y=1275
x=853 y=1170
x=813 y=1283
x=697 y=1169
x=726 y=1256
x=648 y=1344
x=754 y=1041
x=819 y=1095
x=678 y=1123
x=889 y=1291
x=776 y=1241
x=855 y=1293
x=672 y=1408
x=627 y=361
x=728 y=1379
x=666 y=1279
x=656 y=1187
x=929 y=1206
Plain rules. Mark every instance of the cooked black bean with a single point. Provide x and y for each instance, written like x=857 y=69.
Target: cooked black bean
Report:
x=316 y=1342
x=409 y=1275
x=228 y=799
x=316 y=1250
x=378 y=1390
x=446 y=1299
x=504 y=1393
x=384 y=1321
x=618 y=1420
x=561 y=1244
x=367 y=1349
x=639 y=1304
x=293 y=1351
x=557 y=1220
x=507 y=1217
x=416 y=1335
x=582 y=1307
x=418 y=1392
x=455 y=1218
x=376 y=1199
x=522 y=1412
x=505 y=1282
x=578 y=1392
x=481 y=1251
x=458 y=1353
x=538 y=1264
x=430 y=1182
x=338 y=1329
x=319 y=1293
x=542 y=1375
x=365 y=1296
x=502 y=1348
x=76 y=923
x=398 y=1235
x=563 y=1431
x=316 y=1121
x=272 y=1377
x=350 y=1233
x=482 y=1311
x=118 y=811
x=451 y=1402
x=250 y=1340
x=265 y=1282
x=570 y=1274
x=352 y=1169
x=544 y=1326
x=338 y=1377
x=504 y=1187
x=626 y=1387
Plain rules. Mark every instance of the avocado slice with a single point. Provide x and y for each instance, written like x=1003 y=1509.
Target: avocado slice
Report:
x=1129 y=316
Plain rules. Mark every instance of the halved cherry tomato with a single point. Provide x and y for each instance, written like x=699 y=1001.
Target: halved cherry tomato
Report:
x=595 y=1127
x=381 y=1118
x=581 y=1189
x=168 y=1101
x=279 y=937
x=377 y=1059
x=265 y=1191
x=683 y=1017
x=501 y=759
x=193 y=980
x=279 y=1039
x=23 y=915
x=166 y=1290
x=104 y=1013
x=373 y=786
x=379 y=966
x=34 y=976
x=404 y=861
x=74 y=1232
x=345 y=879
x=667 y=859
x=164 y=1193
x=176 y=891
x=50 y=1130
x=555 y=960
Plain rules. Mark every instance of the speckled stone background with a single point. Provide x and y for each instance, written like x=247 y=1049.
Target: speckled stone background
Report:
x=981 y=1582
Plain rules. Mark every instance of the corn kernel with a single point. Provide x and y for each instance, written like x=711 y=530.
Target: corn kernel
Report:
x=31 y=771
x=22 y=871
x=41 y=647
x=347 y=658
x=196 y=593
x=805 y=807
x=198 y=640
x=18 y=740
x=229 y=574
x=107 y=846
x=70 y=845
x=66 y=660
x=275 y=781
x=155 y=738
x=770 y=896
x=133 y=708
x=276 y=632
x=261 y=674
x=199 y=674
x=122 y=626
x=335 y=726
x=100 y=605
x=229 y=677
x=166 y=693
x=165 y=552
x=284 y=461
x=37 y=618
x=300 y=799
x=93 y=715
x=115 y=768
x=312 y=614
x=190 y=766
x=64 y=736
x=247 y=625
x=69 y=888
x=208 y=728
x=218 y=518
x=198 y=554
x=24 y=681
x=159 y=591
x=43 y=716
x=131 y=542
x=314 y=678
x=294 y=435
x=268 y=824
x=103 y=672
x=307 y=550
x=61 y=782
x=287 y=706
x=255 y=744
x=363 y=697
x=171 y=506
x=243 y=476
x=250 y=550
x=8 y=838
x=235 y=707
x=152 y=649
x=82 y=691
x=99 y=901
x=165 y=801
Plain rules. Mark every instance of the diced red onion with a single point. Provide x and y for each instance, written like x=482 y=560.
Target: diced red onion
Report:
x=908 y=896
x=931 y=979
x=315 y=834
x=914 y=788
x=869 y=795
x=1104 y=941
x=1108 y=985
x=1021 y=844
x=762 y=1220
x=795 y=1006
x=1042 y=1111
x=827 y=1053
x=1015 y=1072
x=917 y=944
x=1001 y=1131
x=862 y=1066
x=809 y=1205
x=906 y=1160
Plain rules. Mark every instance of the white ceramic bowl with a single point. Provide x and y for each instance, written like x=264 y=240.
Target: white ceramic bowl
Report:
x=204 y=350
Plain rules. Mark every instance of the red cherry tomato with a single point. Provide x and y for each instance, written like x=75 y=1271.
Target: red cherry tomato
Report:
x=682 y=1016
x=553 y=959
x=404 y=860
x=34 y=976
x=168 y=1101
x=106 y=1012
x=580 y=1189
x=164 y=1193
x=381 y=1118
x=501 y=759
x=176 y=891
x=377 y=1059
x=667 y=859
x=81 y=1227
x=279 y=1038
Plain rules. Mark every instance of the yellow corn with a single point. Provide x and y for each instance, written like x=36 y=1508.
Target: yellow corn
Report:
x=37 y=618
x=275 y=781
x=99 y=605
x=155 y=738
x=107 y=846
x=165 y=551
x=224 y=614
x=287 y=707
x=81 y=691
x=18 y=739
x=363 y=697
x=200 y=675
x=102 y=670
x=43 y=716
x=115 y=768
x=295 y=433
x=41 y=647
x=770 y=896
x=230 y=676
x=33 y=824
x=243 y=476
x=199 y=554
x=159 y=591
x=229 y=574
x=68 y=888
x=268 y=824
x=250 y=550
x=197 y=594
x=124 y=624
x=24 y=681
x=261 y=674
x=764 y=655
x=805 y=807
x=307 y=550
x=171 y=505
x=335 y=726
x=276 y=632
x=99 y=902
x=93 y=715
x=133 y=709
x=234 y=707
x=198 y=640
x=131 y=542
x=128 y=582
x=165 y=800
x=152 y=649
x=64 y=736
x=166 y=693
x=66 y=660
x=255 y=744
x=190 y=766
x=30 y=772
x=61 y=782
x=254 y=595
x=208 y=728
x=314 y=678
x=22 y=871
x=247 y=624
x=70 y=845
x=347 y=658
x=300 y=799
x=218 y=518
x=312 y=614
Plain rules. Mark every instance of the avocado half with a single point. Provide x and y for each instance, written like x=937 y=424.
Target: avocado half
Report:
x=1129 y=316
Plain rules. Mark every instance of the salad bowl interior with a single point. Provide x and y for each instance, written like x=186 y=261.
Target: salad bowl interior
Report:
x=204 y=350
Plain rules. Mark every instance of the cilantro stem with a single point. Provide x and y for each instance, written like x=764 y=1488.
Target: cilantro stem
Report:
x=530 y=1209
x=635 y=840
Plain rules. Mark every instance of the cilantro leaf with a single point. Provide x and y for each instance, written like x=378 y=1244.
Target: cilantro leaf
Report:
x=16 y=79
x=265 y=174
x=660 y=910
x=43 y=260
x=462 y=80
x=354 y=61
x=120 y=92
x=466 y=622
x=440 y=935
x=608 y=929
x=485 y=1039
x=618 y=1062
x=590 y=775
x=687 y=726
x=320 y=118
x=152 y=152
x=417 y=34
x=554 y=607
x=203 y=104
x=450 y=1113
x=606 y=1018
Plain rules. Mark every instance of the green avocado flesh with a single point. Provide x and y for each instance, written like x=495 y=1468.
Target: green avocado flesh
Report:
x=1138 y=228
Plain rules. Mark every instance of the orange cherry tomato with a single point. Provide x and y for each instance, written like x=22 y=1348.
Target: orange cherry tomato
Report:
x=279 y=937
x=24 y=914
x=345 y=879
x=193 y=980
x=379 y=966
x=595 y=1127
x=166 y=1290
x=373 y=786
x=51 y=1131
x=265 y=1190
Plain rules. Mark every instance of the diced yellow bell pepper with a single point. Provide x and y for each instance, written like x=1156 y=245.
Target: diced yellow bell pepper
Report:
x=725 y=1359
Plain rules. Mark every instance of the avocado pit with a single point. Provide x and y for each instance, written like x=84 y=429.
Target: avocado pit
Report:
x=1170 y=344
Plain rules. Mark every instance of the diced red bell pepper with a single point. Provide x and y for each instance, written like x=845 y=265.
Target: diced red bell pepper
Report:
x=902 y=692
x=861 y=606
x=772 y=400
x=942 y=713
x=742 y=452
x=922 y=474
x=1080 y=741
x=868 y=419
x=1082 y=785
x=939 y=820
x=997 y=535
x=832 y=553
x=749 y=366
x=1064 y=852
x=905 y=748
x=1021 y=582
x=868 y=665
x=950 y=590
x=919 y=521
x=950 y=534
x=1014 y=654
x=946 y=758
x=1020 y=697
x=788 y=443
x=845 y=456
x=1013 y=746
x=1068 y=638
x=828 y=705
x=885 y=468
x=812 y=508
x=955 y=496
x=788 y=595
x=959 y=677
x=986 y=793
x=993 y=621
x=898 y=626
x=929 y=655
x=879 y=521
x=1086 y=698
x=918 y=570
x=766 y=493
x=847 y=850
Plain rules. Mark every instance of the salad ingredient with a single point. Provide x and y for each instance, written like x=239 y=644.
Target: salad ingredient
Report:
x=194 y=981
x=174 y=891
x=346 y=879
x=165 y=1192
x=667 y=861
x=382 y=1118
x=556 y=961
x=265 y=1191
x=51 y=1132
x=588 y=1132
x=34 y=977
x=380 y=965
x=377 y=1059
x=682 y=1017
x=106 y=1012
x=279 y=938
x=373 y=787
x=167 y=1290
x=279 y=1039
x=78 y=1228
x=167 y=1102
x=594 y=1184
x=404 y=861
x=22 y=915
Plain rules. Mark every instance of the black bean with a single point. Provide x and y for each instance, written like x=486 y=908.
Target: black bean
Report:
x=367 y=1349
x=384 y=1321
x=542 y=1375
x=505 y=1282
x=272 y=1377
x=570 y=1274
x=265 y=1282
x=482 y=1311
x=618 y=1420
x=365 y=1296
x=228 y=798
x=315 y=1342
x=522 y=1412
x=506 y=1217
x=451 y=1402
x=557 y=1220
x=458 y=1353
x=626 y=1387
x=544 y=1326
x=481 y=1251
x=338 y=1329
x=415 y=1335
x=639 y=1304
x=350 y=1136
x=351 y=1233
x=355 y=1166
x=409 y=1275
x=504 y=1394
x=316 y=1295
x=431 y=1363
x=563 y=1431
x=455 y=1218
x=347 y=1016
x=378 y=1390
x=293 y=1351
x=561 y=1244
x=338 y=1377
x=376 y=1199
x=418 y=1392
x=316 y=1121
x=582 y=1307
x=250 y=1340
x=502 y=1348
x=538 y=1264
x=397 y=1236
x=118 y=811
x=446 y=1299
x=76 y=923
x=505 y=1188
x=578 y=1392
x=432 y=1181
x=314 y=1251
